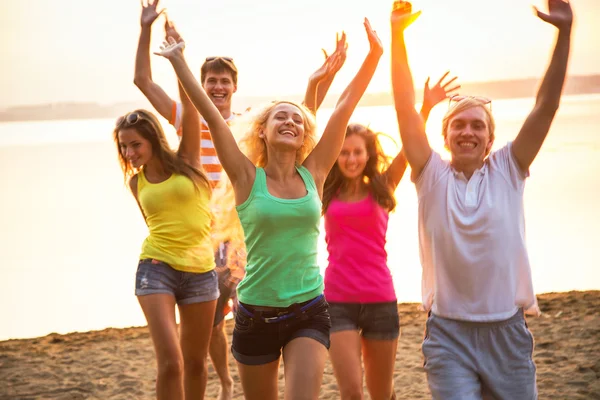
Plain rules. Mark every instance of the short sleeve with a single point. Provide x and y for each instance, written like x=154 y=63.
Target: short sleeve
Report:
x=503 y=161
x=434 y=170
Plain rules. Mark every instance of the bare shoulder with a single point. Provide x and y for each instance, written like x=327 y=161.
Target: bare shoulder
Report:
x=133 y=185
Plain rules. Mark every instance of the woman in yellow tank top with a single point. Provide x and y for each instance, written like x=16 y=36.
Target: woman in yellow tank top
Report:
x=176 y=264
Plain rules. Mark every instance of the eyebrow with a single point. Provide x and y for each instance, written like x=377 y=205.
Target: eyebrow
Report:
x=467 y=120
x=294 y=113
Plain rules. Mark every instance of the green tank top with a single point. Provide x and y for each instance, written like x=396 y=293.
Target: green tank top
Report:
x=281 y=241
x=179 y=219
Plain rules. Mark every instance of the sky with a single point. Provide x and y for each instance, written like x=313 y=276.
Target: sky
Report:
x=84 y=51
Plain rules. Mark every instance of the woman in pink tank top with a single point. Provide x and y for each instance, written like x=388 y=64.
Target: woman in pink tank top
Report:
x=357 y=199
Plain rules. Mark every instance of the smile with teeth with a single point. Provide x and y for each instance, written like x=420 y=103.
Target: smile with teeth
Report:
x=218 y=95
x=467 y=145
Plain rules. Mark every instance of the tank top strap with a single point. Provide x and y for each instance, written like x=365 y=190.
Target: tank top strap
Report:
x=260 y=181
x=141 y=182
x=307 y=177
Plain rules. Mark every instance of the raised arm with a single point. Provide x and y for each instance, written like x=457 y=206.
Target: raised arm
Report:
x=320 y=81
x=237 y=166
x=412 y=128
x=159 y=99
x=325 y=153
x=535 y=129
x=432 y=96
x=189 y=145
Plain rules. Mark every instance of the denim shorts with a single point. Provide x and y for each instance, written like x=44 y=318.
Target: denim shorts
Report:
x=256 y=342
x=156 y=277
x=376 y=321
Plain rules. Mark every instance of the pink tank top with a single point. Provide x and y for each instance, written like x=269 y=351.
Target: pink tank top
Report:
x=355 y=236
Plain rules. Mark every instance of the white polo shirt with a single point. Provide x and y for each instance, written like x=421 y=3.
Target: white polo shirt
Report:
x=472 y=240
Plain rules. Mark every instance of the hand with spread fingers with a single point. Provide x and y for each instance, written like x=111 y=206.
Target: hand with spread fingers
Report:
x=149 y=12
x=559 y=14
x=439 y=92
x=374 y=41
x=171 y=49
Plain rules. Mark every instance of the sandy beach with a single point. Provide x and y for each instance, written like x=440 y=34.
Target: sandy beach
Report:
x=119 y=363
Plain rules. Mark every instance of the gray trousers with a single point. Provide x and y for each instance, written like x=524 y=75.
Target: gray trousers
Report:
x=479 y=360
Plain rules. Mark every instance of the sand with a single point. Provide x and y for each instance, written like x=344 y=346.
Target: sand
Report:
x=119 y=363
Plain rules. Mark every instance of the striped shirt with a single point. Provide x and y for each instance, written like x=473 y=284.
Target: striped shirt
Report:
x=208 y=155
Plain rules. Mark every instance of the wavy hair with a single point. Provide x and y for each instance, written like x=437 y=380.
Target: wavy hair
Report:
x=148 y=126
x=373 y=174
x=254 y=146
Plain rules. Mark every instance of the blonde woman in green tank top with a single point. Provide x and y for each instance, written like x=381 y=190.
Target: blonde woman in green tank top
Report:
x=278 y=188
x=176 y=266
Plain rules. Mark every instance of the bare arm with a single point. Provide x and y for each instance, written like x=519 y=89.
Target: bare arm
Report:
x=412 y=128
x=320 y=81
x=325 y=153
x=396 y=170
x=432 y=96
x=535 y=129
x=189 y=147
x=159 y=99
x=238 y=167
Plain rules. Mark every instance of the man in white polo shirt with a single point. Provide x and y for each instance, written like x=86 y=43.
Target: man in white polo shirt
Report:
x=476 y=274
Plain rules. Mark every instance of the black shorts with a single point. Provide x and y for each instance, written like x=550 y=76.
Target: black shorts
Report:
x=256 y=342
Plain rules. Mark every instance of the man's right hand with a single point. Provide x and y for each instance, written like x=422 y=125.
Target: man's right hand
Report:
x=149 y=12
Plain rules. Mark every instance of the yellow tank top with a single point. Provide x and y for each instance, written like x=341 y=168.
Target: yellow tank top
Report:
x=179 y=219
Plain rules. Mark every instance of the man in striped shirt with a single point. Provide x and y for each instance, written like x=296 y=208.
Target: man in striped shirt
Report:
x=218 y=76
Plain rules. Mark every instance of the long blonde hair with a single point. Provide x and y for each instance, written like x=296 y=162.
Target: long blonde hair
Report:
x=148 y=126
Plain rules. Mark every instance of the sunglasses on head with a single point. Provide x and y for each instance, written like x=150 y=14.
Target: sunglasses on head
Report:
x=218 y=57
x=130 y=119
x=483 y=100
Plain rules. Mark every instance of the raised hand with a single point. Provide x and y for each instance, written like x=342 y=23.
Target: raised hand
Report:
x=170 y=31
x=402 y=16
x=374 y=41
x=149 y=12
x=333 y=62
x=439 y=92
x=171 y=49
x=559 y=14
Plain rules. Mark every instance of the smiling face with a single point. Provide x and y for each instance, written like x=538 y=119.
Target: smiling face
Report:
x=220 y=87
x=284 y=127
x=468 y=136
x=353 y=157
x=134 y=147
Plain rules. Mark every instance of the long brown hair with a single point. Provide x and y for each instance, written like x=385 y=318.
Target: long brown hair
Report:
x=148 y=126
x=373 y=174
